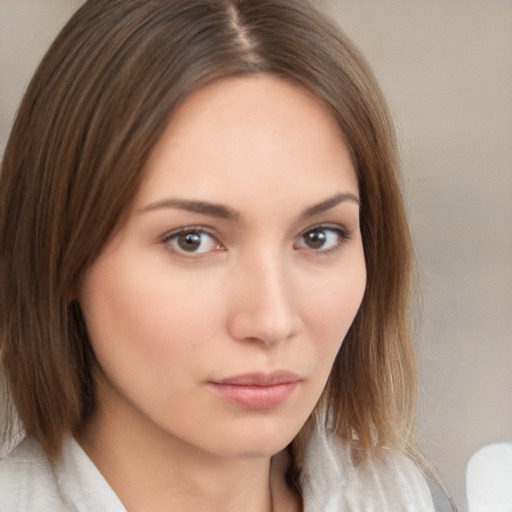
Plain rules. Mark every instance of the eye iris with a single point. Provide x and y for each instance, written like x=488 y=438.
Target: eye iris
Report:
x=189 y=241
x=315 y=239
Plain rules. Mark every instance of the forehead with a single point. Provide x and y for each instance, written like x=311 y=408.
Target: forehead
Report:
x=248 y=136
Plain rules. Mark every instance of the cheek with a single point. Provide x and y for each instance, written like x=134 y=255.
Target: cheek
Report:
x=118 y=307
x=139 y=320
x=332 y=306
x=143 y=334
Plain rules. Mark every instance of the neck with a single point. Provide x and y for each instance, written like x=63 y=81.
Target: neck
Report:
x=150 y=470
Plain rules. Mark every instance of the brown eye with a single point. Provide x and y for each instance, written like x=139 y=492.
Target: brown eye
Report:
x=322 y=239
x=189 y=242
x=192 y=241
x=315 y=239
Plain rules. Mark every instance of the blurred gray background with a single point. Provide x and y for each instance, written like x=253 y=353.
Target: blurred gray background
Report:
x=446 y=68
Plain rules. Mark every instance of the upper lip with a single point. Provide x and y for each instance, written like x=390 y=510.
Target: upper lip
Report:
x=260 y=379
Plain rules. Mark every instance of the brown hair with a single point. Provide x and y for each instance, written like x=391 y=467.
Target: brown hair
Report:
x=95 y=108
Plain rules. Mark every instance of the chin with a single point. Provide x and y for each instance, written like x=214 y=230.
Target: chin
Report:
x=252 y=451
x=259 y=440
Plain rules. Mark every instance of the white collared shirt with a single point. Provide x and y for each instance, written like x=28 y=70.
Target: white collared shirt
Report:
x=330 y=481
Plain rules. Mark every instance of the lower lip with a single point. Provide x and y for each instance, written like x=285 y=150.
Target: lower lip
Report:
x=255 y=397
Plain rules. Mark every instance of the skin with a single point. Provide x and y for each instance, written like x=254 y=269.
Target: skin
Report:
x=273 y=284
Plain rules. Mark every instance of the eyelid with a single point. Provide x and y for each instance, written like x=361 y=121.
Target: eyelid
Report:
x=186 y=229
x=333 y=226
x=169 y=235
x=343 y=233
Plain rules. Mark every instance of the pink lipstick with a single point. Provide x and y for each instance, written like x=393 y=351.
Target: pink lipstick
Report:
x=257 y=390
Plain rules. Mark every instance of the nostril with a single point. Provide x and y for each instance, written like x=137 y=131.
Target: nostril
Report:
x=266 y=329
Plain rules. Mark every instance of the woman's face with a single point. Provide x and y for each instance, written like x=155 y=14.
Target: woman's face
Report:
x=216 y=311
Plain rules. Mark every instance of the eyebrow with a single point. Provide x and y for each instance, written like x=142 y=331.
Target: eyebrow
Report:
x=329 y=203
x=224 y=212
x=202 y=207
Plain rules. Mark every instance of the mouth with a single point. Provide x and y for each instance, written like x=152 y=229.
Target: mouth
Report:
x=257 y=390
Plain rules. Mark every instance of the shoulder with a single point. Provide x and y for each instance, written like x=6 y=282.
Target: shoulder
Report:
x=27 y=481
x=384 y=480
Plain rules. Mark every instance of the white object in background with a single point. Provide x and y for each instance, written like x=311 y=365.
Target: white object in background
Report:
x=489 y=479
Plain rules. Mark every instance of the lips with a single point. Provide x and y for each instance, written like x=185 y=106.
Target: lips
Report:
x=257 y=390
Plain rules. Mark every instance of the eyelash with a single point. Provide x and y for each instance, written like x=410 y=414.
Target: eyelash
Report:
x=168 y=238
x=342 y=235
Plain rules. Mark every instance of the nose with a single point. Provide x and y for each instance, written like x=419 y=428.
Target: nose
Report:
x=263 y=303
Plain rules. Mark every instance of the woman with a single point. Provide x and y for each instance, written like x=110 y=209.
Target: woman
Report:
x=204 y=268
